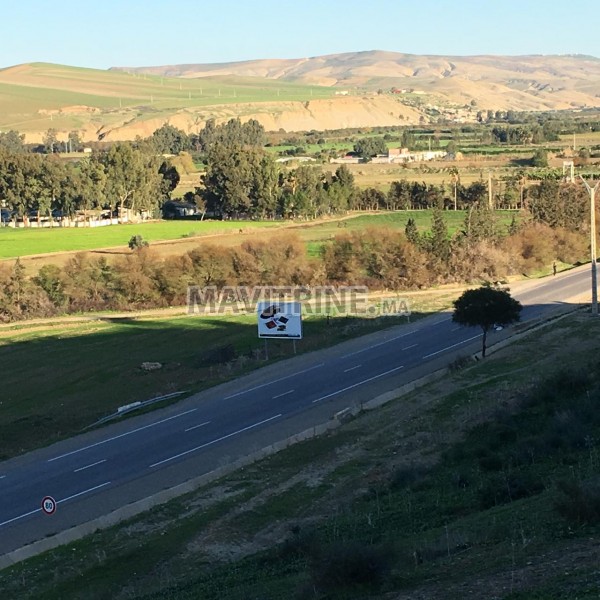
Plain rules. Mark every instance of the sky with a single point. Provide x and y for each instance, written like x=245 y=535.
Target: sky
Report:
x=134 y=33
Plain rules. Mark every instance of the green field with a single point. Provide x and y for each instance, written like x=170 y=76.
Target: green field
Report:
x=318 y=235
x=29 y=241
x=73 y=376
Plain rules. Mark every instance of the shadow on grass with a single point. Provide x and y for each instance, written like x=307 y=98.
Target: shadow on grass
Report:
x=61 y=382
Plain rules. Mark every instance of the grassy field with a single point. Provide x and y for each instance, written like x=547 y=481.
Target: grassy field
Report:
x=318 y=235
x=27 y=241
x=476 y=486
x=188 y=234
x=62 y=375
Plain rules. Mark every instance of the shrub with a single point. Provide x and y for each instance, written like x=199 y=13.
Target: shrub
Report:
x=460 y=363
x=579 y=503
x=505 y=488
x=136 y=242
x=408 y=475
x=218 y=356
x=350 y=564
x=532 y=246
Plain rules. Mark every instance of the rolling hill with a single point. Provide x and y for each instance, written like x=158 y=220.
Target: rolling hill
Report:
x=497 y=82
x=362 y=89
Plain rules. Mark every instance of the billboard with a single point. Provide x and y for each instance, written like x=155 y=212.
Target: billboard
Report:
x=279 y=320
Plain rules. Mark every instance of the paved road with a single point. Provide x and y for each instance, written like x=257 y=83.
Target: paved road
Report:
x=93 y=474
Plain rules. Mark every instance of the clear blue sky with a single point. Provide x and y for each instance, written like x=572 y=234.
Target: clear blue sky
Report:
x=105 y=33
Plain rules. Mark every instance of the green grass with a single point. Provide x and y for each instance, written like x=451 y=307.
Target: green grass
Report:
x=63 y=376
x=420 y=487
x=316 y=235
x=28 y=241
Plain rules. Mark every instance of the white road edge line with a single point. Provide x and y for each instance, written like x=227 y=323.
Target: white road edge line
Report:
x=2 y=476
x=214 y=441
x=32 y=512
x=196 y=426
x=352 y=368
x=409 y=347
x=116 y=437
x=284 y=394
x=97 y=487
x=90 y=466
x=357 y=384
x=273 y=381
x=453 y=346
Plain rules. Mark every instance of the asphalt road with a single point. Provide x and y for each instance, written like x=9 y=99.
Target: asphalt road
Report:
x=90 y=475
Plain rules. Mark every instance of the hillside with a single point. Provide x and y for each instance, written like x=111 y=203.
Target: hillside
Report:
x=319 y=93
x=111 y=105
x=482 y=484
x=497 y=82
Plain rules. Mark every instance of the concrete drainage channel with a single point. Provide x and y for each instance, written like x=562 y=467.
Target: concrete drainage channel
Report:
x=340 y=417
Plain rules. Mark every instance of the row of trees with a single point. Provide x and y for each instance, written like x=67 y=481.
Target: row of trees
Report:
x=243 y=181
x=118 y=178
x=379 y=258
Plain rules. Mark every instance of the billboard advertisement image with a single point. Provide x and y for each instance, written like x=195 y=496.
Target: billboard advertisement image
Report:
x=279 y=320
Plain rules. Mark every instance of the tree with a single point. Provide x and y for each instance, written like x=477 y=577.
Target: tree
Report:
x=540 y=158
x=74 y=140
x=50 y=140
x=370 y=146
x=132 y=179
x=485 y=307
x=439 y=242
x=411 y=232
x=12 y=141
x=170 y=140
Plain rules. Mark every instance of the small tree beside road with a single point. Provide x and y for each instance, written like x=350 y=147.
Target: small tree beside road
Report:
x=486 y=307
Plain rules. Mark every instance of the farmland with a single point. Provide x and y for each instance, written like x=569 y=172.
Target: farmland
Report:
x=33 y=241
x=39 y=96
x=176 y=237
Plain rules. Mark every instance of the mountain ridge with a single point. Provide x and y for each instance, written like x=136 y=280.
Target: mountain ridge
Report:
x=336 y=91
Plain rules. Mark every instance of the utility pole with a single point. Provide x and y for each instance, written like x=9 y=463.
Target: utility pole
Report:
x=592 y=192
x=490 y=194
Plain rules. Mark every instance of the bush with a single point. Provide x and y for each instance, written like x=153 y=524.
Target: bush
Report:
x=350 y=564
x=579 y=503
x=136 y=242
x=460 y=363
x=505 y=488
x=218 y=356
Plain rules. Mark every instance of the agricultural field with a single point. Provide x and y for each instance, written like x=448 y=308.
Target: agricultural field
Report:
x=42 y=246
x=318 y=235
x=479 y=484
x=40 y=96
x=33 y=241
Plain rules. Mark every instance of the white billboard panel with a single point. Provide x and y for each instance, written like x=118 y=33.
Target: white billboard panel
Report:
x=279 y=320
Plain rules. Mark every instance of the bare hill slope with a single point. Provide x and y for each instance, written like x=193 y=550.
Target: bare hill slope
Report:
x=496 y=82
x=363 y=89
